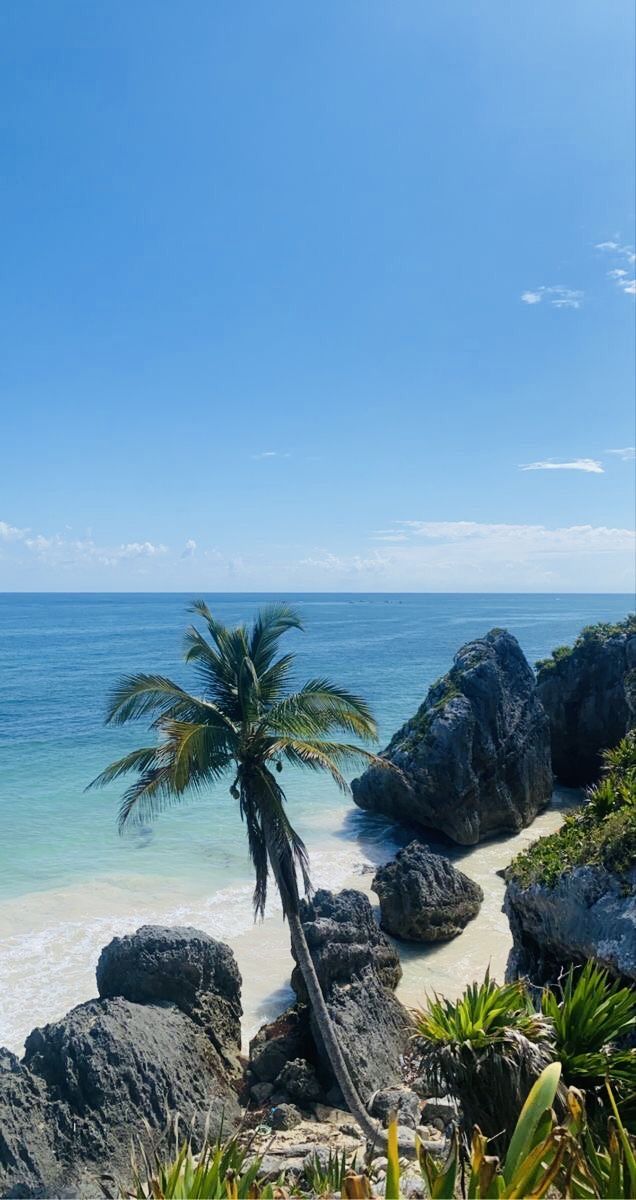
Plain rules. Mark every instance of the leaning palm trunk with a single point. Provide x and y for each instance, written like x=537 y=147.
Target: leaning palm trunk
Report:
x=284 y=873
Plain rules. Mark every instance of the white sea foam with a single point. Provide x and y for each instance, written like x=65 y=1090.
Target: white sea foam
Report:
x=50 y=940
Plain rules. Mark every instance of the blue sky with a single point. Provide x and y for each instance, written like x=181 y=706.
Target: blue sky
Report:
x=294 y=292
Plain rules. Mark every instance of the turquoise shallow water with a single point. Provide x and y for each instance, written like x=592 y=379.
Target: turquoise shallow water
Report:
x=67 y=880
x=59 y=654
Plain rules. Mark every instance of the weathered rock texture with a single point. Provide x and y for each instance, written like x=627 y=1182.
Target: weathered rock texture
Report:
x=589 y=695
x=358 y=969
x=423 y=897
x=475 y=758
x=87 y=1082
x=184 y=967
x=589 y=913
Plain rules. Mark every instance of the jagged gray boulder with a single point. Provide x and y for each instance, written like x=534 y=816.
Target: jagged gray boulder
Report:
x=29 y=1140
x=185 y=967
x=345 y=939
x=423 y=897
x=588 y=913
x=589 y=694
x=475 y=758
x=357 y=967
x=89 y=1081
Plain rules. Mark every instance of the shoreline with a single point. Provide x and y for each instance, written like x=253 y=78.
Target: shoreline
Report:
x=51 y=966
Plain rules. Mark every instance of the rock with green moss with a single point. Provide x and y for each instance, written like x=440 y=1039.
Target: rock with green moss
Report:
x=572 y=896
x=589 y=693
x=474 y=761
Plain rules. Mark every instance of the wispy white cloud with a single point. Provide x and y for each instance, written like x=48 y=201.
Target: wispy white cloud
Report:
x=626 y=453
x=592 y=465
x=344 y=565
x=189 y=549
x=270 y=454
x=140 y=550
x=480 y=556
x=573 y=537
x=10 y=533
x=621 y=253
x=555 y=294
x=58 y=550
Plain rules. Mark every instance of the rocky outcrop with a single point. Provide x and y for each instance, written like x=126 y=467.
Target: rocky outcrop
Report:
x=183 y=967
x=345 y=941
x=588 y=913
x=589 y=694
x=475 y=758
x=423 y=897
x=357 y=967
x=89 y=1081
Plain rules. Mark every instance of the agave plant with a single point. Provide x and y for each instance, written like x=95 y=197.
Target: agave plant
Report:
x=590 y=1018
x=325 y=1178
x=220 y=1171
x=487 y=1048
x=543 y=1157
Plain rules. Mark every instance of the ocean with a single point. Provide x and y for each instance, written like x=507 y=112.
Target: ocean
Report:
x=69 y=881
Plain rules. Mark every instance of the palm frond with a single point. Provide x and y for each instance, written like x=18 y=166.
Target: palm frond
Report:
x=197 y=750
x=214 y=670
x=141 y=695
x=332 y=757
x=272 y=622
x=321 y=707
x=257 y=850
x=284 y=843
x=143 y=759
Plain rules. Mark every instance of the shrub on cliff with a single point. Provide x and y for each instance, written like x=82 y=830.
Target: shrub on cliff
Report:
x=588 y=636
x=600 y=833
x=488 y=1046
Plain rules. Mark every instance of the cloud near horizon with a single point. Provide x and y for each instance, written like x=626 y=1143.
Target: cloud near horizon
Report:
x=591 y=465
x=408 y=555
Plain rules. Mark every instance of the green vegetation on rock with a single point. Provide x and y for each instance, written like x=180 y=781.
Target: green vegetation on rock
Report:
x=600 y=833
x=590 y=635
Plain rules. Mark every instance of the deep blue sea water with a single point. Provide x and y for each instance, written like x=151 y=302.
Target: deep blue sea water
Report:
x=68 y=881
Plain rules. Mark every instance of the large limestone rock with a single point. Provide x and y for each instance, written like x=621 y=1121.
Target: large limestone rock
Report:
x=423 y=897
x=588 y=913
x=475 y=758
x=184 y=967
x=589 y=694
x=358 y=968
x=90 y=1080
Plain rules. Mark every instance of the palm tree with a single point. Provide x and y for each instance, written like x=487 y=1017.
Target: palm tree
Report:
x=248 y=723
